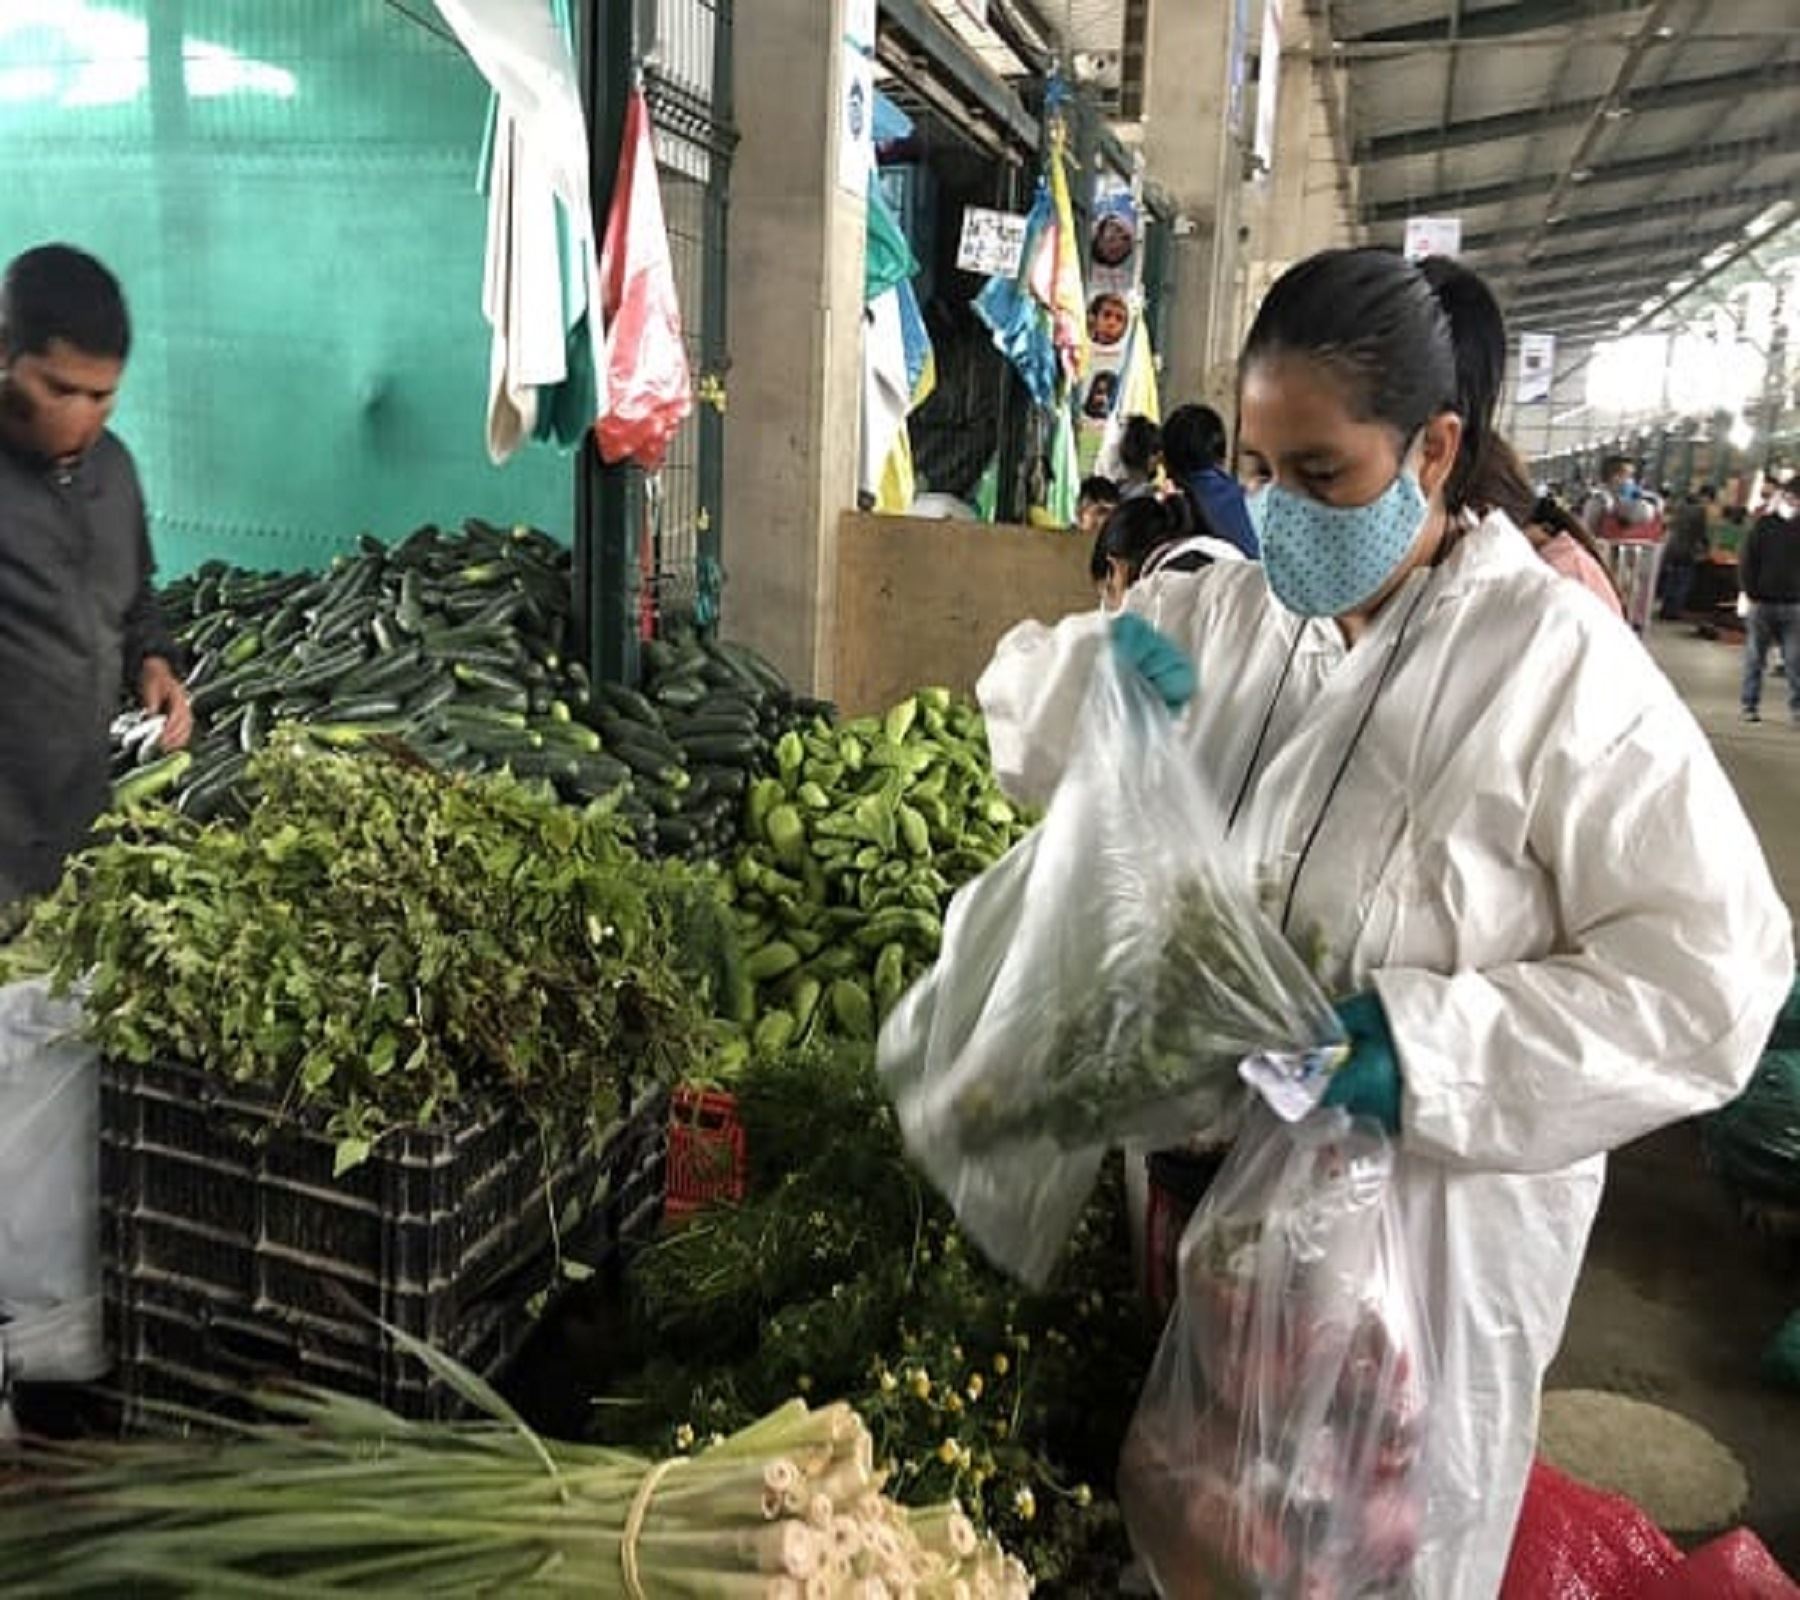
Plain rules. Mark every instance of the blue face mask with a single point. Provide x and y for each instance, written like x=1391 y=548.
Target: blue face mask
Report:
x=1629 y=490
x=1325 y=561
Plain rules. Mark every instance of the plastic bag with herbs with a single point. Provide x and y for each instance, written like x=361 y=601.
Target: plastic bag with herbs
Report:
x=1279 y=1449
x=1098 y=986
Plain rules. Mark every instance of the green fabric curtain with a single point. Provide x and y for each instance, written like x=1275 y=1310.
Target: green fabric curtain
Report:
x=288 y=192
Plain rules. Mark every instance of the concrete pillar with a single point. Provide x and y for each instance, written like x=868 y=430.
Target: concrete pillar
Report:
x=795 y=320
x=1197 y=158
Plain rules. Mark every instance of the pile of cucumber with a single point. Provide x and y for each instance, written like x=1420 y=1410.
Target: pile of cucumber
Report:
x=456 y=645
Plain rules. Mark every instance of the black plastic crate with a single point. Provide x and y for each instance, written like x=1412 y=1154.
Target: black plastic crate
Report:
x=230 y=1252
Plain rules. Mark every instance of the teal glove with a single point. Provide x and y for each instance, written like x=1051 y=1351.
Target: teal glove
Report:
x=1368 y=1084
x=1157 y=659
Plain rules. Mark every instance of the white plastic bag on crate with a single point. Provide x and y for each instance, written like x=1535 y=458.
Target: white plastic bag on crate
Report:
x=49 y=1190
x=1099 y=985
x=1280 y=1448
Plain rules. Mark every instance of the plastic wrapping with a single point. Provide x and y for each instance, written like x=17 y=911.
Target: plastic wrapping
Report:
x=1099 y=985
x=646 y=389
x=1280 y=1447
x=49 y=1190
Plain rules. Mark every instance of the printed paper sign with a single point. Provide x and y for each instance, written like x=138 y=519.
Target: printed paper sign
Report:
x=992 y=243
x=856 y=135
x=1433 y=236
x=1537 y=365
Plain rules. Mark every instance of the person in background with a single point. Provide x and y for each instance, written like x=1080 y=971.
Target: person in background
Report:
x=1548 y=921
x=1769 y=570
x=79 y=624
x=1095 y=504
x=1617 y=497
x=1140 y=457
x=1568 y=548
x=1194 y=450
x=1689 y=545
x=1151 y=533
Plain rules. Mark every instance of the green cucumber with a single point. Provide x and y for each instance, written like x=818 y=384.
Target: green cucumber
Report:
x=146 y=783
x=627 y=703
x=723 y=749
x=475 y=716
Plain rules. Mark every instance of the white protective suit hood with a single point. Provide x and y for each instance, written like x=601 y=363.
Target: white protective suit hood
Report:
x=1536 y=861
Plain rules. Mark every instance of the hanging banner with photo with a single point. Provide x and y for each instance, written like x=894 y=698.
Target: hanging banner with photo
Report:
x=1537 y=364
x=1433 y=236
x=1114 y=314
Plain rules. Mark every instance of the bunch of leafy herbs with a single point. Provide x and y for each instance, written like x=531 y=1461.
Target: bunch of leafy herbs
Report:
x=379 y=944
x=843 y=1276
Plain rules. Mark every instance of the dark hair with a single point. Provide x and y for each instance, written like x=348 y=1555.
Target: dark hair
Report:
x=1141 y=526
x=1612 y=464
x=1099 y=491
x=1140 y=444
x=1508 y=485
x=1549 y=512
x=1405 y=342
x=1193 y=439
x=58 y=292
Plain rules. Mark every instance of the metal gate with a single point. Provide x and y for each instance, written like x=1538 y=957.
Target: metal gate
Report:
x=648 y=551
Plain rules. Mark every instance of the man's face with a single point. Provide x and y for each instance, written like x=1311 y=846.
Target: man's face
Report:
x=1622 y=476
x=1091 y=515
x=56 y=401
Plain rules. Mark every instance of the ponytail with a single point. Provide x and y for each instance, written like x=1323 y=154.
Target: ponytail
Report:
x=1478 y=480
x=1141 y=526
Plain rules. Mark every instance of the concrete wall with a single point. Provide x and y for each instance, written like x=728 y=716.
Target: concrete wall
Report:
x=796 y=269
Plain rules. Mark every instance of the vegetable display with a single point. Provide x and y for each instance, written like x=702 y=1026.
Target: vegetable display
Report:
x=457 y=645
x=853 y=846
x=380 y=940
x=346 y=1499
x=842 y=1275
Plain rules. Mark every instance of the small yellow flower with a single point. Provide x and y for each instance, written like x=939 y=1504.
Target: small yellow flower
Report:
x=956 y=1353
x=804 y=1383
x=976 y=1385
x=1025 y=1503
x=953 y=1403
x=684 y=1437
x=889 y=1383
x=920 y=1383
x=964 y=1457
x=1002 y=1365
x=947 y=1452
x=1001 y=1427
x=1084 y=1496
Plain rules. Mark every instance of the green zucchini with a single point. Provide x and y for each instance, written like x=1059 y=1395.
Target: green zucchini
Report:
x=146 y=783
x=723 y=749
x=627 y=703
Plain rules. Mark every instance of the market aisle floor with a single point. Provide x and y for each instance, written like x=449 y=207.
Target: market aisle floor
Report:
x=1678 y=1299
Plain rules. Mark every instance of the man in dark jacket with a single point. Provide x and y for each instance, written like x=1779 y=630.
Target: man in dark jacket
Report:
x=78 y=619
x=1769 y=570
x=1688 y=545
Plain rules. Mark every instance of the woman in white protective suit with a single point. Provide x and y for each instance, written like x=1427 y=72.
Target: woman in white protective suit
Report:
x=1467 y=784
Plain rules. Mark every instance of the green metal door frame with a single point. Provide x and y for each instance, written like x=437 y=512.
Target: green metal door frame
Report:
x=611 y=503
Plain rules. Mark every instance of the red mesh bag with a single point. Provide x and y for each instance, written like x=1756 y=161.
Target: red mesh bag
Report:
x=1736 y=1567
x=1577 y=1543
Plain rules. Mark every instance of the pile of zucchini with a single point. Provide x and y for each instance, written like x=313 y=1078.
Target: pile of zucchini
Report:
x=456 y=646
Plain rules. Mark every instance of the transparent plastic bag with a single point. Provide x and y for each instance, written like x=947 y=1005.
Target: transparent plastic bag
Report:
x=1279 y=1448
x=1100 y=985
x=49 y=1153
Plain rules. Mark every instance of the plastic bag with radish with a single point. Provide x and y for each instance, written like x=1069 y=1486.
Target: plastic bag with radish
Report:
x=1279 y=1448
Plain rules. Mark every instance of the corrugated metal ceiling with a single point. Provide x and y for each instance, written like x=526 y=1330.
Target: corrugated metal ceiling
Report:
x=1588 y=145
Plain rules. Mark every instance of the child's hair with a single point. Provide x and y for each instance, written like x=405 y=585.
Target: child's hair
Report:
x=1141 y=526
x=1140 y=445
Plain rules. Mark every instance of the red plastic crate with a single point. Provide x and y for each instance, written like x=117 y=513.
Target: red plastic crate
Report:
x=707 y=1162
